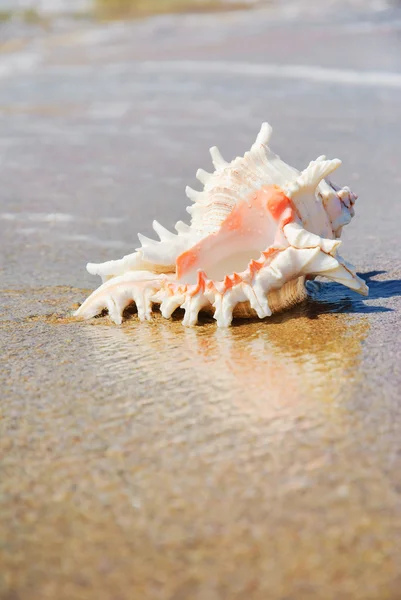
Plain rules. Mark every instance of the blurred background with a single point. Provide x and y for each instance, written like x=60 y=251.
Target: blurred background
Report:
x=42 y=10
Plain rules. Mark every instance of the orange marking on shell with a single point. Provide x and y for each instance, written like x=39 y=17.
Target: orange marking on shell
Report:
x=236 y=279
x=178 y=289
x=277 y=202
x=274 y=199
x=233 y=221
x=187 y=260
x=270 y=199
x=228 y=284
x=269 y=252
x=255 y=266
x=200 y=284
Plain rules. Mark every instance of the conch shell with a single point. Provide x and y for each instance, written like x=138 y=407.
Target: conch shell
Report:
x=258 y=229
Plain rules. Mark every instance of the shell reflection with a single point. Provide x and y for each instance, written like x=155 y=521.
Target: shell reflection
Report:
x=259 y=368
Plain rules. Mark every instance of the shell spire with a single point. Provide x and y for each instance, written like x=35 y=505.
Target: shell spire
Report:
x=258 y=228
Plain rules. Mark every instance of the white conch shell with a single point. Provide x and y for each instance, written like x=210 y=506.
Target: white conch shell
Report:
x=258 y=228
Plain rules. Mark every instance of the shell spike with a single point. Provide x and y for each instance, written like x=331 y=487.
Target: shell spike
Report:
x=227 y=282
x=170 y=303
x=254 y=266
x=223 y=312
x=162 y=232
x=339 y=270
x=310 y=177
x=144 y=305
x=115 y=312
x=201 y=281
x=192 y=194
x=203 y=176
x=217 y=159
x=263 y=137
x=299 y=237
x=145 y=241
x=192 y=306
x=318 y=170
x=182 y=227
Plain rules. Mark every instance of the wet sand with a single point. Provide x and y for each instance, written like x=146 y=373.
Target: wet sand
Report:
x=150 y=461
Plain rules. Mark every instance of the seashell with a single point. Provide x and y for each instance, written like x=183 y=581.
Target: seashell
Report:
x=259 y=228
